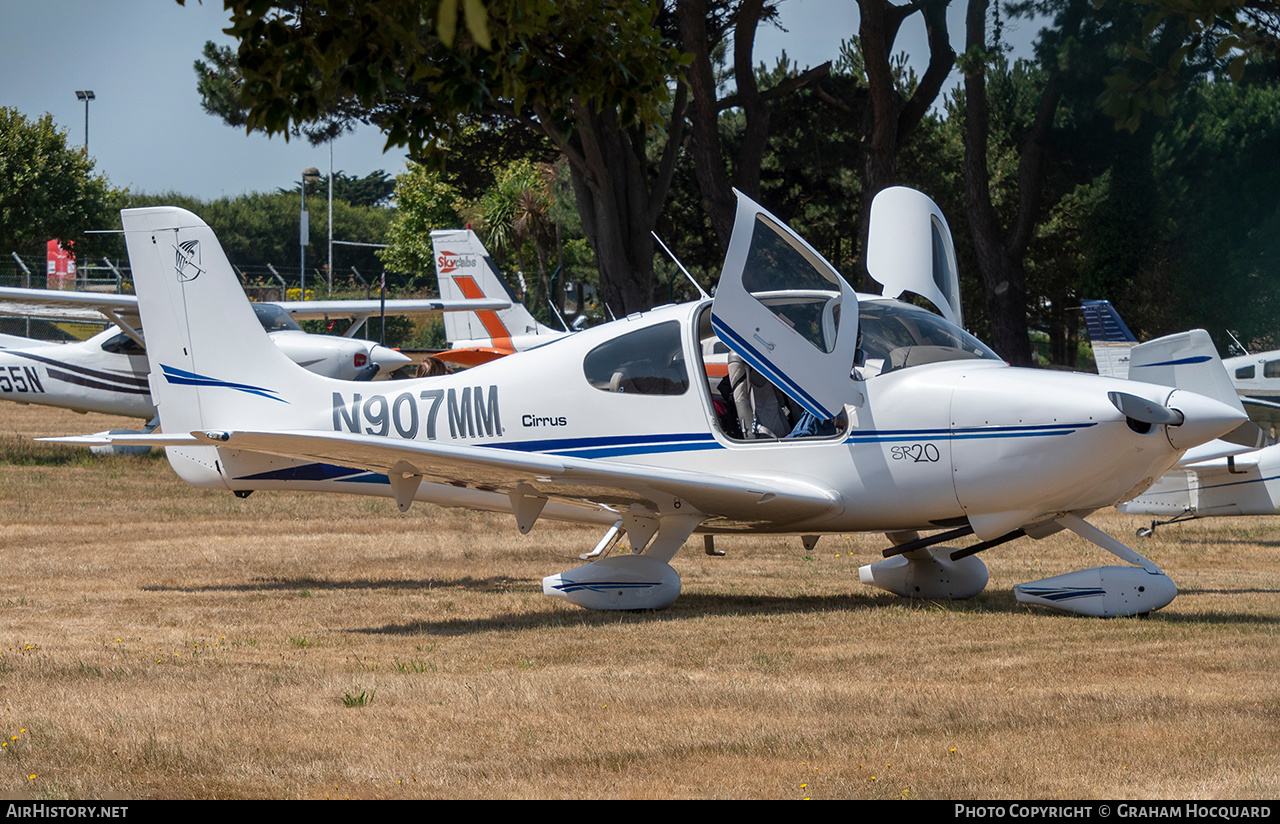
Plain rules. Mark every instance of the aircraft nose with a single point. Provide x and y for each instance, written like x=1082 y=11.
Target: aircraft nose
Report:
x=387 y=358
x=1203 y=419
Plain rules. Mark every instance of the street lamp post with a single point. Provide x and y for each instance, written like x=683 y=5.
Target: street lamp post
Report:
x=312 y=174
x=86 y=96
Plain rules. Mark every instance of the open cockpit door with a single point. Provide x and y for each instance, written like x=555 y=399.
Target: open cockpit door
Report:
x=787 y=312
x=909 y=249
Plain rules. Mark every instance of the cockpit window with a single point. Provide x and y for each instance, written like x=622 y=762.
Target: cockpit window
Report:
x=942 y=272
x=799 y=289
x=275 y=319
x=122 y=344
x=648 y=361
x=901 y=335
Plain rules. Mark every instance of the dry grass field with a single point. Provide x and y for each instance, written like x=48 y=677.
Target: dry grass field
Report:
x=162 y=641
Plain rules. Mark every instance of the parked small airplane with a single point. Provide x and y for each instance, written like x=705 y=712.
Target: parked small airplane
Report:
x=108 y=372
x=1241 y=482
x=616 y=426
x=1245 y=484
x=464 y=271
x=1256 y=378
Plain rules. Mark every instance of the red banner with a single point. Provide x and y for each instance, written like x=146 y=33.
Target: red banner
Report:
x=61 y=273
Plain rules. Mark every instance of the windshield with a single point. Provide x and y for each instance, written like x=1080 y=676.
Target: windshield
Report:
x=902 y=335
x=274 y=319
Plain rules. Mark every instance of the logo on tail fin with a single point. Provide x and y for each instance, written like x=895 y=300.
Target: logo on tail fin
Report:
x=452 y=261
x=187 y=260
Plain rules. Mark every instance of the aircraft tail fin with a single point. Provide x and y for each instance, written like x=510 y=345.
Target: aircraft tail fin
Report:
x=212 y=364
x=464 y=270
x=1110 y=337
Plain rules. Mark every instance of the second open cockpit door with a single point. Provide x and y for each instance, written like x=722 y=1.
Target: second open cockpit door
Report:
x=909 y=249
x=787 y=312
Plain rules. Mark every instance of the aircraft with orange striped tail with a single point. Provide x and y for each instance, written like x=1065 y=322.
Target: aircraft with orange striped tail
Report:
x=465 y=272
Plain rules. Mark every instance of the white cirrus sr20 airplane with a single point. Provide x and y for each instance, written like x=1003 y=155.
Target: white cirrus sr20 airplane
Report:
x=618 y=425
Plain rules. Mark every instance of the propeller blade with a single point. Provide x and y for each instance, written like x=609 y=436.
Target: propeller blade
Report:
x=1141 y=409
x=1247 y=434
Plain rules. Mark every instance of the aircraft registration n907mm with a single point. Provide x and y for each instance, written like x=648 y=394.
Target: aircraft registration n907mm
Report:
x=900 y=421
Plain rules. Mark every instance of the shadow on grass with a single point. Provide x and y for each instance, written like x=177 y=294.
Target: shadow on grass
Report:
x=1207 y=540
x=700 y=607
x=690 y=606
x=492 y=584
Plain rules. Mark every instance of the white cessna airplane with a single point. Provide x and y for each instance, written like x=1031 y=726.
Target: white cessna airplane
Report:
x=465 y=272
x=616 y=426
x=108 y=372
x=1240 y=482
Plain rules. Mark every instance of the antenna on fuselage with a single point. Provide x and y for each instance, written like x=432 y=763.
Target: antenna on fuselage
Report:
x=552 y=304
x=1236 y=341
x=677 y=262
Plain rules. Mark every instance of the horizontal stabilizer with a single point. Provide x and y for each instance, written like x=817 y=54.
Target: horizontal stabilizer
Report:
x=123 y=439
x=1186 y=360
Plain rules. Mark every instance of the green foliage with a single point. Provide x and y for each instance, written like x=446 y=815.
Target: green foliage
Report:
x=261 y=228
x=517 y=202
x=1222 y=36
x=1215 y=162
x=47 y=189
x=404 y=65
x=218 y=82
x=374 y=189
x=425 y=201
x=811 y=175
x=1174 y=220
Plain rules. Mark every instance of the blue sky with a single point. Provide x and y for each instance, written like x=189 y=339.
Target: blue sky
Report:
x=148 y=132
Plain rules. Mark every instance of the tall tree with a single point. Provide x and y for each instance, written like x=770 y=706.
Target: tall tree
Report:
x=425 y=201
x=1230 y=32
x=374 y=189
x=892 y=112
x=1000 y=250
x=595 y=77
x=47 y=189
x=704 y=28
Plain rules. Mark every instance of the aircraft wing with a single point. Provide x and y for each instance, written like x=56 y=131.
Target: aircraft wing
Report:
x=56 y=305
x=1261 y=403
x=762 y=498
x=323 y=309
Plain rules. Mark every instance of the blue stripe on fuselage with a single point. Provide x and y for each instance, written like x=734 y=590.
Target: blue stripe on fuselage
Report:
x=624 y=445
